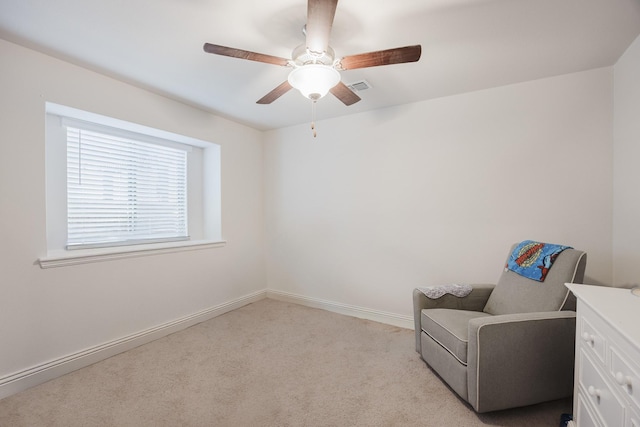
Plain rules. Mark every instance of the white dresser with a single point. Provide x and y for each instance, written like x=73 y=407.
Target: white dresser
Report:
x=607 y=371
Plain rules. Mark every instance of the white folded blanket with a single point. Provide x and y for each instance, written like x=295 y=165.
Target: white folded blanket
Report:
x=435 y=292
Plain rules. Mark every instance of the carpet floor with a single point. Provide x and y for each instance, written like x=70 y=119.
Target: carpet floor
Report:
x=269 y=363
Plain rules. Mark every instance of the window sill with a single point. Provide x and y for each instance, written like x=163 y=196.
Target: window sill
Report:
x=85 y=256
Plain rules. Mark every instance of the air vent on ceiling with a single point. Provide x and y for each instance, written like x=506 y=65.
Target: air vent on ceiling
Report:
x=359 y=86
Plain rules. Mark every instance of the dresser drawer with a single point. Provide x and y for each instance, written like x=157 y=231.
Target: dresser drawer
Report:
x=626 y=376
x=598 y=393
x=585 y=417
x=592 y=336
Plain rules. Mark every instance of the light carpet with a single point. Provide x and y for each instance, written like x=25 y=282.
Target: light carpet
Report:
x=269 y=363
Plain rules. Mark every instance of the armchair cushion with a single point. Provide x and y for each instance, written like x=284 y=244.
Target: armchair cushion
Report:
x=450 y=329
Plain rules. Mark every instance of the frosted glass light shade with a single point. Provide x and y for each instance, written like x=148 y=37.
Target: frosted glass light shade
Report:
x=314 y=80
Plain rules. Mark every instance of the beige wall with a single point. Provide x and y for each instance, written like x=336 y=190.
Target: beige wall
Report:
x=626 y=230
x=435 y=192
x=47 y=314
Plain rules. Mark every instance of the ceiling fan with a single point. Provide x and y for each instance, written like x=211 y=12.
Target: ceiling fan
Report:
x=315 y=68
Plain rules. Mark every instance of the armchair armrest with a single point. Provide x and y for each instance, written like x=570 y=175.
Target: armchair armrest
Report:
x=475 y=301
x=520 y=359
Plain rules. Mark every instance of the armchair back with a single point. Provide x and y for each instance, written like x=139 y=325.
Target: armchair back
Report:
x=517 y=294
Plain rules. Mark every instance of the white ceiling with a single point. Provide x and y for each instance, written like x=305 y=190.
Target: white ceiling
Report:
x=466 y=45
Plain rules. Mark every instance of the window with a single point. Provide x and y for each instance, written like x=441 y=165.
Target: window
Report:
x=116 y=187
x=123 y=191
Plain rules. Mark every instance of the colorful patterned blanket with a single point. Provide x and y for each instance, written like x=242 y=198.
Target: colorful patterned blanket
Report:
x=534 y=259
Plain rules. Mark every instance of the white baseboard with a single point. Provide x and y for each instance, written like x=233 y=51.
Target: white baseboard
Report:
x=18 y=381
x=22 y=380
x=349 y=310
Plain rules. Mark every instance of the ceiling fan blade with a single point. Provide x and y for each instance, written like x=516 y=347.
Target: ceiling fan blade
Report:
x=344 y=94
x=320 y=15
x=275 y=94
x=244 y=54
x=398 y=55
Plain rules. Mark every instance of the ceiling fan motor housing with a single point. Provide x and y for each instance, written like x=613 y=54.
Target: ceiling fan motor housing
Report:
x=302 y=56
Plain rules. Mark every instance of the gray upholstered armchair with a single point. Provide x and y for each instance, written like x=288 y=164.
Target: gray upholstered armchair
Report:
x=506 y=345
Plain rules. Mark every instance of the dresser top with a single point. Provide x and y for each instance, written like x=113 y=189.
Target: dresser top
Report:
x=616 y=306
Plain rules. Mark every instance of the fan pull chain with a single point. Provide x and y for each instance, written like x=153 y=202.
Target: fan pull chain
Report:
x=313 y=118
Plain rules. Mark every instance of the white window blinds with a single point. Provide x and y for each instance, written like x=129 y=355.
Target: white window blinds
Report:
x=121 y=190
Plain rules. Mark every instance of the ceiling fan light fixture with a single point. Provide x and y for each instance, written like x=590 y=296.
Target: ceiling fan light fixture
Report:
x=314 y=80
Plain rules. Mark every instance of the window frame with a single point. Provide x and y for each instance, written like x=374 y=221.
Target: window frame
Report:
x=204 y=191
